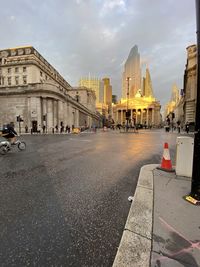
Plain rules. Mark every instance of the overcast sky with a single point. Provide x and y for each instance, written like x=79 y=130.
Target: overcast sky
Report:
x=96 y=36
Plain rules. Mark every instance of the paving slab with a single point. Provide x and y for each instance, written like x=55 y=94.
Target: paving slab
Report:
x=176 y=229
x=134 y=251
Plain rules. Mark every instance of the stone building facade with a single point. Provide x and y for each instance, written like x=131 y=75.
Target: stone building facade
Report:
x=142 y=110
x=190 y=84
x=32 y=89
x=183 y=105
x=87 y=98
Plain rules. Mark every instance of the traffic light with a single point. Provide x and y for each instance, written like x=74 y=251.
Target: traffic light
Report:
x=19 y=118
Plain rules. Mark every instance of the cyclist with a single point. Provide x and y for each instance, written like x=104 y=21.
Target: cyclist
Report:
x=9 y=133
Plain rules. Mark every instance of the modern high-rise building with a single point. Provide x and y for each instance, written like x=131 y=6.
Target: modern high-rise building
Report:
x=94 y=84
x=107 y=93
x=147 y=85
x=133 y=71
x=138 y=104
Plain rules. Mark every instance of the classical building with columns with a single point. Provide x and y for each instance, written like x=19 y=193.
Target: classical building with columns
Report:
x=32 y=89
x=143 y=108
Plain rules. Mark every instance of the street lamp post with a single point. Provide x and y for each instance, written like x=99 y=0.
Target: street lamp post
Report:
x=194 y=196
x=127 y=100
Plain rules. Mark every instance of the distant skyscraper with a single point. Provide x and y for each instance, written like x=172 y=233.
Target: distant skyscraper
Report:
x=147 y=85
x=175 y=94
x=96 y=85
x=107 y=91
x=132 y=70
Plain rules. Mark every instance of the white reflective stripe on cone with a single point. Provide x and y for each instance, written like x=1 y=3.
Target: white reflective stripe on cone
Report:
x=166 y=155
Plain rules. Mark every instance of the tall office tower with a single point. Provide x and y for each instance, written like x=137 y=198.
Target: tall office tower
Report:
x=107 y=91
x=96 y=85
x=132 y=70
x=175 y=94
x=147 y=85
x=107 y=94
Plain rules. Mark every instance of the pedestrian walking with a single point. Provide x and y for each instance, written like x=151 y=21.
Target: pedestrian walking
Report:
x=43 y=128
x=178 y=126
x=56 y=128
x=26 y=129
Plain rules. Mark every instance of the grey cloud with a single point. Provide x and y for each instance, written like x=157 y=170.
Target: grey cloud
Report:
x=96 y=36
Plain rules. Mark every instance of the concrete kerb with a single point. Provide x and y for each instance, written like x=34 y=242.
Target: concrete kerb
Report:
x=136 y=242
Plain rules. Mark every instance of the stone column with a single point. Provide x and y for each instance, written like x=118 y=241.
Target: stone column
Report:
x=49 y=114
x=77 y=118
x=147 y=117
x=55 y=112
x=141 y=118
x=136 y=116
x=65 y=114
x=39 y=112
x=60 y=112
x=121 y=116
x=117 y=117
x=29 y=113
x=68 y=115
x=153 y=114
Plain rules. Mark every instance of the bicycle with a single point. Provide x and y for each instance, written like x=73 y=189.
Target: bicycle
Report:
x=6 y=146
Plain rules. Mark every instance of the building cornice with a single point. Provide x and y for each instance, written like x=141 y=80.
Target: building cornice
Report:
x=44 y=90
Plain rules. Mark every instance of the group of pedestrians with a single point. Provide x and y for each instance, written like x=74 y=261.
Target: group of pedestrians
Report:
x=176 y=126
x=56 y=129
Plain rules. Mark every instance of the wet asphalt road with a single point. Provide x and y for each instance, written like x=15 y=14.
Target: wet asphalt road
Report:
x=63 y=201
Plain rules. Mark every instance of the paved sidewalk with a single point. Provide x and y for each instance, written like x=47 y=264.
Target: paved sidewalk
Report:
x=162 y=229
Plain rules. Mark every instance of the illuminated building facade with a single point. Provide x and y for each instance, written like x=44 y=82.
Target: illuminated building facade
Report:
x=143 y=108
x=32 y=88
x=96 y=85
x=107 y=93
x=190 y=85
x=103 y=91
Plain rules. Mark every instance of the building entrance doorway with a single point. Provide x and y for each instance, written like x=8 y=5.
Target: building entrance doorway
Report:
x=34 y=126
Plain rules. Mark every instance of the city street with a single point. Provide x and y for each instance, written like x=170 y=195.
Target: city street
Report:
x=64 y=201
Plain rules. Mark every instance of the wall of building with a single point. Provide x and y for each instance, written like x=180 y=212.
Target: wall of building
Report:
x=42 y=99
x=190 y=84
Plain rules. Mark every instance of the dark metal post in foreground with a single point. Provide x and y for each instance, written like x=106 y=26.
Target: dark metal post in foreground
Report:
x=19 y=121
x=127 y=112
x=195 y=189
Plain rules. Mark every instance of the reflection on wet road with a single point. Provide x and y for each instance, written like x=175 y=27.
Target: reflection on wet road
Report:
x=63 y=201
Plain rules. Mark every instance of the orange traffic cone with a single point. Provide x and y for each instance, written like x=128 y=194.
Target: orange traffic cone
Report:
x=166 y=164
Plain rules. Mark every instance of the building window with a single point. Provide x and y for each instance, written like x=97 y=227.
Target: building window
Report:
x=2 y=80
x=9 y=70
x=16 y=70
x=24 y=69
x=41 y=73
x=9 y=80
x=16 y=80
x=24 y=79
x=46 y=77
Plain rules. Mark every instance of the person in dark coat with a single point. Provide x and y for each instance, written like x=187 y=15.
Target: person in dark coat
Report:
x=10 y=133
